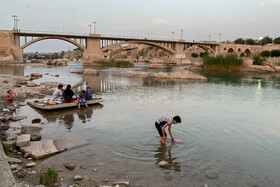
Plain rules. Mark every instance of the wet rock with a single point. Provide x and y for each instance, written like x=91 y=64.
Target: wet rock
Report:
x=11 y=107
x=23 y=82
x=31 y=164
x=83 y=167
x=20 y=175
x=4 y=127
x=37 y=75
x=12 y=160
x=31 y=84
x=13 y=167
x=18 y=118
x=69 y=166
x=134 y=73
x=25 y=155
x=121 y=183
x=90 y=72
x=212 y=174
x=55 y=75
x=36 y=120
x=32 y=130
x=162 y=163
x=77 y=177
x=256 y=68
x=23 y=140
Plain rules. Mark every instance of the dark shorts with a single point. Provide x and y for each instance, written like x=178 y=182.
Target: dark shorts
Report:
x=159 y=128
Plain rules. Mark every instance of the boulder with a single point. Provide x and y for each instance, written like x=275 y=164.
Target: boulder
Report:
x=31 y=84
x=277 y=69
x=31 y=164
x=77 y=177
x=38 y=75
x=33 y=131
x=11 y=107
x=260 y=69
x=162 y=163
x=23 y=140
x=12 y=160
x=10 y=143
x=18 y=118
x=90 y=72
x=4 y=127
x=45 y=148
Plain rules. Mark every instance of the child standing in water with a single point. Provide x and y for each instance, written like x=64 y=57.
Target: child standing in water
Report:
x=162 y=123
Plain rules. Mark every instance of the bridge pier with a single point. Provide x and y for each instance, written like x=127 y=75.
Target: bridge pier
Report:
x=10 y=50
x=92 y=51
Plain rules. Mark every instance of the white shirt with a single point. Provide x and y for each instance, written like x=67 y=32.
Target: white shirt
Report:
x=57 y=93
x=166 y=119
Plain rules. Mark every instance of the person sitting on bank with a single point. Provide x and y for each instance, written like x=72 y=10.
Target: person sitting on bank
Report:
x=58 y=94
x=82 y=99
x=89 y=93
x=9 y=96
x=68 y=95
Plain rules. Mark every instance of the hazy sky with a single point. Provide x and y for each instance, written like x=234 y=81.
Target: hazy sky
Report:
x=146 y=18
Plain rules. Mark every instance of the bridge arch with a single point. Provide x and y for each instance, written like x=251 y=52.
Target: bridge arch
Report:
x=165 y=48
x=53 y=37
x=204 y=47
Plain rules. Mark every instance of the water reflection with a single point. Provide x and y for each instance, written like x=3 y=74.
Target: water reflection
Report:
x=163 y=153
x=66 y=117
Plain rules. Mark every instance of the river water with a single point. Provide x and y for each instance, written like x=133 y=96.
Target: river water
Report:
x=230 y=127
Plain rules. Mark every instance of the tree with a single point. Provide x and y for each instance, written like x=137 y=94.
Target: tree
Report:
x=258 y=60
x=277 y=40
x=275 y=53
x=239 y=41
x=266 y=40
x=250 y=41
x=265 y=54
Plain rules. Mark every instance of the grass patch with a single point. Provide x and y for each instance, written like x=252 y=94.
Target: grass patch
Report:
x=114 y=63
x=258 y=60
x=6 y=148
x=49 y=177
x=220 y=62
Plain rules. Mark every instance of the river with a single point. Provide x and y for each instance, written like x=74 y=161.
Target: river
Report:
x=230 y=128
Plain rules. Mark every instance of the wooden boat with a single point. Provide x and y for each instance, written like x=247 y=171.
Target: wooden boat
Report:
x=43 y=106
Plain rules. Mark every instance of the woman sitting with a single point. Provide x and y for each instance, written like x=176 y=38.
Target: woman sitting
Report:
x=68 y=94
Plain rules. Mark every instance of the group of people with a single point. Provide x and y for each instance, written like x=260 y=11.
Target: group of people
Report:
x=66 y=96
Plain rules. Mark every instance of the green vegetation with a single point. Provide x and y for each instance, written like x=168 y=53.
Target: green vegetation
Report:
x=194 y=55
x=276 y=40
x=49 y=177
x=6 y=148
x=242 y=54
x=258 y=60
x=239 y=41
x=203 y=54
x=275 y=53
x=221 y=62
x=250 y=41
x=265 y=54
x=266 y=40
x=114 y=63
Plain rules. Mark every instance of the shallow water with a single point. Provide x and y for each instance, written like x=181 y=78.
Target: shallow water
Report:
x=230 y=125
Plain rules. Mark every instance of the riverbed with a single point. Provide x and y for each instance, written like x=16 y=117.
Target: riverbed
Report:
x=230 y=128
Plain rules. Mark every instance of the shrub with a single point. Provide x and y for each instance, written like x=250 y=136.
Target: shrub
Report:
x=6 y=148
x=224 y=62
x=114 y=63
x=250 y=41
x=49 y=177
x=203 y=54
x=265 y=40
x=277 y=40
x=265 y=53
x=239 y=41
x=194 y=55
x=242 y=54
x=258 y=60
x=275 y=53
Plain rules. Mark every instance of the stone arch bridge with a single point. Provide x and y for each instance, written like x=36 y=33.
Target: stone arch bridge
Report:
x=93 y=46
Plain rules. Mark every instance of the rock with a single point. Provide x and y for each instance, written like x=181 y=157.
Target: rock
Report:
x=256 y=68
x=10 y=143
x=4 y=127
x=94 y=169
x=121 y=183
x=18 y=118
x=23 y=140
x=5 y=81
x=23 y=82
x=205 y=185
x=11 y=107
x=162 y=163
x=40 y=185
x=69 y=166
x=77 y=177
x=20 y=175
x=45 y=148
x=106 y=180
x=25 y=155
x=198 y=64
x=277 y=69
x=31 y=164
x=51 y=84
x=31 y=84
x=212 y=174
x=12 y=160
x=37 y=75
x=90 y=72
x=6 y=110
x=55 y=75
x=13 y=167
x=36 y=120
x=159 y=66
x=134 y=73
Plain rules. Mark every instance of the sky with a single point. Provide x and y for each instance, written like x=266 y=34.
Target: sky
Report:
x=144 y=18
